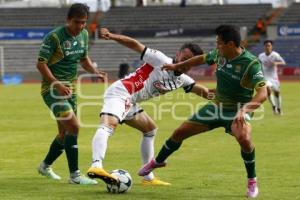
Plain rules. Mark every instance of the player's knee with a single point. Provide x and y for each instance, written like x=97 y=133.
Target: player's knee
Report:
x=107 y=128
x=151 y=133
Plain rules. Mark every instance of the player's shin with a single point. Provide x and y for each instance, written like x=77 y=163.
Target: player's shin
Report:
x=56 y=149
x=147 y=150
x=71 y=149
x=168 y=148
x=99 y=144
x=249 y=161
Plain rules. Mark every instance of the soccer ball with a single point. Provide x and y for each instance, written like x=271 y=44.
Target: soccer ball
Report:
x=124 y=184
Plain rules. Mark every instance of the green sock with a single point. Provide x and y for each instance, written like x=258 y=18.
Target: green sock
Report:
x=168 y=148
x=56 y=149
x=71 y=149
x=249 y=160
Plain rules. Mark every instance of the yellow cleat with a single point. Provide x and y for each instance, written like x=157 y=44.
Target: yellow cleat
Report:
x=94 y=172
x=154 y=182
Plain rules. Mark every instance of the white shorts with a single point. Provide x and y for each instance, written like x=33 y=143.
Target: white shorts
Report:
x=118 y=103
x=274 y=84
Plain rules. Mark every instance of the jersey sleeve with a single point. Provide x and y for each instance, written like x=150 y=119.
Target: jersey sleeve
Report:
x=188 y=83
x=278 y=58
x=253 y=76
x=155 y=58
x=86 y=44
x=211 y=57
x=47 y=48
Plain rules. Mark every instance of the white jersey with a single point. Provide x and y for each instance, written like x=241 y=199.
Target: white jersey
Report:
x=149 y=80
x=270 y=71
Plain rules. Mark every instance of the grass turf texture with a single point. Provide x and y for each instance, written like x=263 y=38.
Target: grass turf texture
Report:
x=207 y=166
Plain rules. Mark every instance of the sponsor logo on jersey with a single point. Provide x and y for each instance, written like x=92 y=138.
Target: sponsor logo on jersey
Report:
x=80 y=51
x=75 y=43
x=67 y=44
x=258 y=75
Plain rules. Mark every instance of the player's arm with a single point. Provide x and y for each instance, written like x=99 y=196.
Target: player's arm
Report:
x=47 y=74
x=47 y=49
x=88 y=66
x=123 y=40
x=186 y=65
x=203 y=91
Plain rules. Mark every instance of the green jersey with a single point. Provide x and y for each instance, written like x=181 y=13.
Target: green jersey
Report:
x=236 y=78
x=62 y=53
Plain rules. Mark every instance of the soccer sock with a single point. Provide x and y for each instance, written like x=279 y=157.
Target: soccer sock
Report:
x=99 y=144
x=55 y=150
x=147 y=150
x=168 y=148
x=271 y=100
x=278 y=101
x=249 y=161
x=71 y=149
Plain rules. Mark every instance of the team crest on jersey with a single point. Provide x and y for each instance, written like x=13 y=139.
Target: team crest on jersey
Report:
x=160 y=87
x=237 y=68
x=67 y=44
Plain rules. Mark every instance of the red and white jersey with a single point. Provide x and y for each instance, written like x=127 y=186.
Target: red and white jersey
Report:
x=149 y=80
x=270 y=71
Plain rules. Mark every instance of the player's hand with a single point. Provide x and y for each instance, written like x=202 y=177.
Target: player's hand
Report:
x=63 y=90
x=171 y=67
x=211 y=94
x=105 y=34
x=102 y=76
x=240 y=118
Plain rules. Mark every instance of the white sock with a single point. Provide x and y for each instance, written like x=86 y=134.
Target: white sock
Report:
x=271 y=100
x=99 y=144
x=278 y=101
x=147 y=150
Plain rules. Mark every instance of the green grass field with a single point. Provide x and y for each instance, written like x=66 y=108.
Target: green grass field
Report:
x=208 y=166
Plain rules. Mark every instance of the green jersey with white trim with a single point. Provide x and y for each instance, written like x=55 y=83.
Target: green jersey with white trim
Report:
x=236 y=78
x=62 y=53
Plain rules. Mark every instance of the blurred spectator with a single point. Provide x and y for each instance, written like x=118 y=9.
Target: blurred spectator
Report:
x=260 y=26
x=183 y=3
x=123 y=69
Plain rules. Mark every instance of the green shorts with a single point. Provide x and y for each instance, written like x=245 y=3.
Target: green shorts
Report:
x=60 y=106
x=215 y=117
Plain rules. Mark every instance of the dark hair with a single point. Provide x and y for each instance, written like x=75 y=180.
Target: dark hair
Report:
x=194 y=48
x=268 y=41
x=78 y=10
x=229 y=33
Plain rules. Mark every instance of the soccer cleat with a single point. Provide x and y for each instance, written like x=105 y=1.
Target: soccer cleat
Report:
x=48 y=172
x=149 y=167
x=94 y=172
x=82 y=180
x=252 y=191
x=154 y=182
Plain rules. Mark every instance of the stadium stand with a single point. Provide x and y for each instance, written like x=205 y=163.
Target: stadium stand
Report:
x=291 y=15
x=202 y=19
x=21 y=57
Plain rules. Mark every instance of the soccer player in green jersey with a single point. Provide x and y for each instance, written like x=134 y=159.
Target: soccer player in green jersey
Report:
x=239 y=74
x=60 y=53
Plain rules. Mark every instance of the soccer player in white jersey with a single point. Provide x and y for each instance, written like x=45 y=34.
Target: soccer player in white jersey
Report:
x=270 y=60
x=122 y=97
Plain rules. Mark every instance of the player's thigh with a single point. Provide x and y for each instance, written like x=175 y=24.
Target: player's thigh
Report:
x=142 y=122
x=109 y=120
x=188 y=129
x=59 y=107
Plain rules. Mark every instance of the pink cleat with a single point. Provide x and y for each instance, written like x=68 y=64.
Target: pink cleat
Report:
x=252 y=191
x=149 y=167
